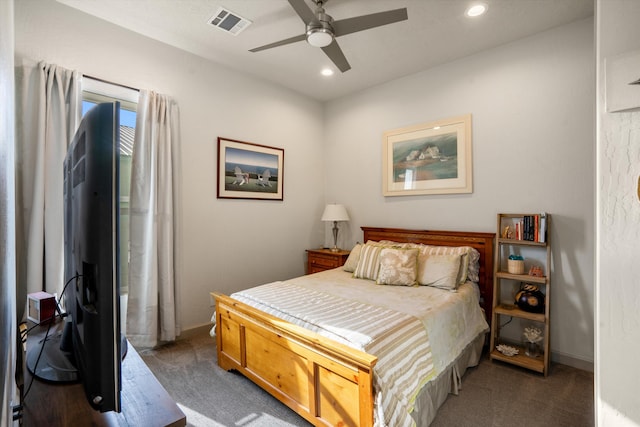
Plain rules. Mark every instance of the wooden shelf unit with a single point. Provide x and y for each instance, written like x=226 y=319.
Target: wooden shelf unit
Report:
x=503 y=279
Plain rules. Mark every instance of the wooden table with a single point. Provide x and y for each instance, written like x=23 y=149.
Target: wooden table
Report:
x=144 y=401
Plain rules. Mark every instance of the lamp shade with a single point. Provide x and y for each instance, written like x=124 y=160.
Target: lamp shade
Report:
x=335 y=212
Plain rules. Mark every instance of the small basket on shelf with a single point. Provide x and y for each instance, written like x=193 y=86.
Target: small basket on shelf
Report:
x=515 y=264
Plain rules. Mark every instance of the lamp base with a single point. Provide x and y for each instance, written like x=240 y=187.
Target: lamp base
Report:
x=335 y=237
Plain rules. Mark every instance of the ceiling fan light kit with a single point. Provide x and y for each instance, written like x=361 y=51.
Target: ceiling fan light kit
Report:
x=319 y=37
x=322 y=30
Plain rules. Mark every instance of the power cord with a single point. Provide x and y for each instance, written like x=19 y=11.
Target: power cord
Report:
x=51 y=321
x=507 y=322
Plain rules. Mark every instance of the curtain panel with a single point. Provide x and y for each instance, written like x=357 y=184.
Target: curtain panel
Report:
x=48 y=112
x=9 y=365
x=154 y=221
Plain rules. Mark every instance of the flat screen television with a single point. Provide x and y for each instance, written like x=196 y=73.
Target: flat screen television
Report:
x=90 y=347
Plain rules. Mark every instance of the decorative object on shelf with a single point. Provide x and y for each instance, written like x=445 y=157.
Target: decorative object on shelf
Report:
x=507 y=233
x=529 y=298
x=536 y=271
x=532 y=337
x=334 y=212
x=507 y=350
x=515 y=264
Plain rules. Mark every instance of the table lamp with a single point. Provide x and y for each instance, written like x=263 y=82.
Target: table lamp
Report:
x=334 y=212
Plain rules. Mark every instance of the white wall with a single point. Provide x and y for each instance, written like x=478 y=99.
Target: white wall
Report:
x=533 y=150
x=227 y=244
x=618 y=220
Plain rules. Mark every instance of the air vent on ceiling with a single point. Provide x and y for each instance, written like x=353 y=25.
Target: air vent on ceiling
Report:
x=228 y=21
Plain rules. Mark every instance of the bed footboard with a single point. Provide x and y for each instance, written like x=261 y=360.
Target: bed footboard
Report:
x=315 y=376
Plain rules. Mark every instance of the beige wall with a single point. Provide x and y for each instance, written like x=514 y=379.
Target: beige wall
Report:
x=533 y=150
x=618 y=221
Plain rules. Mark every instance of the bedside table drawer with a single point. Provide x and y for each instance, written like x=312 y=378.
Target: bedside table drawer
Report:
x=321 y=261
x=324 y=259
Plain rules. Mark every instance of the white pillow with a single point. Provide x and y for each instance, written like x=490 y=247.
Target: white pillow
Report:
x=398 y=267
x=470 y=267
x=440 y=271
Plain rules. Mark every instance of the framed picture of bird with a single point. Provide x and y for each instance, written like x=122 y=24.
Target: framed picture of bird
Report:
x=249 y=171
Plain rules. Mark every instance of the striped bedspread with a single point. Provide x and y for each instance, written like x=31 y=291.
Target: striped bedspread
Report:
x=399 y=340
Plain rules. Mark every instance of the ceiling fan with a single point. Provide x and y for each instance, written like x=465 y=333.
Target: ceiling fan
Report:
x=322 y=30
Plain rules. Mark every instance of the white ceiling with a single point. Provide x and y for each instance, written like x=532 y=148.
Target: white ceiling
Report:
x=436 y=32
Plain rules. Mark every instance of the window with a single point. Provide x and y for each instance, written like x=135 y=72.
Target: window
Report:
x=94 y=92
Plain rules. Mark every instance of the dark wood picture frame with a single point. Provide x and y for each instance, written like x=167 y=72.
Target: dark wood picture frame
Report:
x=249 y=171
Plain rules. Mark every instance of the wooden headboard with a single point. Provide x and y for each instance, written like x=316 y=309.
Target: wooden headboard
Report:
x=482 y=242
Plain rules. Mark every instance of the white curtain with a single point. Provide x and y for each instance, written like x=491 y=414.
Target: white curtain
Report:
x=49 y=107
x=154 y=221
x=9 y=365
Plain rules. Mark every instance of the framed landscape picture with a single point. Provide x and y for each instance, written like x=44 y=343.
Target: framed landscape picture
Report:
x=249 y=171
x=431 y=158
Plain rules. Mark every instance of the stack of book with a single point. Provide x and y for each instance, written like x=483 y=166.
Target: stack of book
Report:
x=532 y=228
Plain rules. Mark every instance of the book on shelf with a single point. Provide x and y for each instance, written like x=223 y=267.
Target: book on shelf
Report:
x=532 y=228
x=542 y=233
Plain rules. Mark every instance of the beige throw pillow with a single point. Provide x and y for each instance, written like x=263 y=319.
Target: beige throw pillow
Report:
x=352 y=260
x=368 y=264
x=440 y=271
x=398 y=267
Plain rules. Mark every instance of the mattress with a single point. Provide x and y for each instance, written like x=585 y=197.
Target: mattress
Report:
x=424 y=337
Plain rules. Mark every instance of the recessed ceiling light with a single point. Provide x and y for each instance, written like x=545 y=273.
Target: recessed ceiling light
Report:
x=476 y=9
x=327 y=72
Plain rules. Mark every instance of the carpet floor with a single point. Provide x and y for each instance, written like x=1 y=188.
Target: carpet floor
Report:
x=493 y=394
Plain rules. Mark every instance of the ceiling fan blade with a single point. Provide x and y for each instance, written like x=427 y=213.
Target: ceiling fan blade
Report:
x=280 y=43
x=365 y=22
x=335 y=54
x=303 y=11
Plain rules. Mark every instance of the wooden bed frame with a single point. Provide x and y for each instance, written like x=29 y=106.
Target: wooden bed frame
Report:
x=327 y=383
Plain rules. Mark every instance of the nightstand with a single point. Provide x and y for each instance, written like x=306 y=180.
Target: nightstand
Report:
x=325 y=259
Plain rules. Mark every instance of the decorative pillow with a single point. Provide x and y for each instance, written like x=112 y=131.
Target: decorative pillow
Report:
x=474 y=265
x=385 y=243
x=464 y=268
x=440 y=271
x=470 y=267
x=354 y=256
x=389 y=243
x=352 y=261
x=398 y=267
x=368 y=264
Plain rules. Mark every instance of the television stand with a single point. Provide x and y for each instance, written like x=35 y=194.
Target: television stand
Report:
x=144 y=401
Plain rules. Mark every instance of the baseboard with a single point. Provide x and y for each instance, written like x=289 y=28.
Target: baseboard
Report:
x=565 y=359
